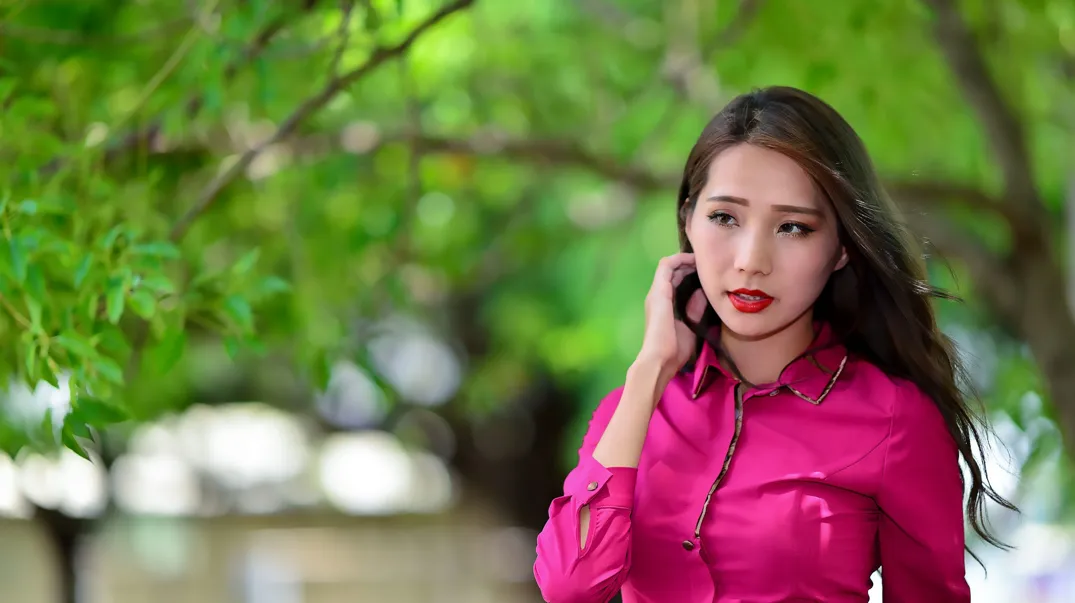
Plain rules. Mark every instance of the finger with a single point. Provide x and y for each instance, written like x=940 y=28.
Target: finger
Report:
x=696 y=306
x=681 y=273
x=668 y=264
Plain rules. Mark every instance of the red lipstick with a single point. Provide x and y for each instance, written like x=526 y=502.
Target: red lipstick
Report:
x=749 y=301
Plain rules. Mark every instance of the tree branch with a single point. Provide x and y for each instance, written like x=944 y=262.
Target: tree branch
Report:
x=992 y=278
x=141 y=137
x=918 y=194
x=171 y=64
x=932 y=194
x=380 y=56
x=344 y=34
x=65 y=37
x=1002 y=125
x=730 y=33
x=682 y=78
x=554 y=152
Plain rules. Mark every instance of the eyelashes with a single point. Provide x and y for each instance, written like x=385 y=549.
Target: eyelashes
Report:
x=789 y=229
x=795 y=229
x=722 y=218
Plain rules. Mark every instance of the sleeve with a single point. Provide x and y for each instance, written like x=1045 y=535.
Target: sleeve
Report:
x=566 y=573
x=921 y=499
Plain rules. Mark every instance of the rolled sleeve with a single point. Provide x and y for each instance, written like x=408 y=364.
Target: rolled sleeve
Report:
x=600 y=487
x=565 y=571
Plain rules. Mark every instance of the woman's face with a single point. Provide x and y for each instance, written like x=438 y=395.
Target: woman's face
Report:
x=765 y=241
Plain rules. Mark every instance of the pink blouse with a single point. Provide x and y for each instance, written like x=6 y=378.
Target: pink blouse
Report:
x=791 y=491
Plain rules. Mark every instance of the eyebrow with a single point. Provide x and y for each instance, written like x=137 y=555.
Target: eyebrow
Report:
x=788 y=209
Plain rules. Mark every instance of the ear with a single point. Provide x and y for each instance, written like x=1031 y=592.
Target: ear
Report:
x=843 y=259
x=687 y=221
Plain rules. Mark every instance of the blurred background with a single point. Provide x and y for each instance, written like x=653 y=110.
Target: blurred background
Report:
x=309 y=301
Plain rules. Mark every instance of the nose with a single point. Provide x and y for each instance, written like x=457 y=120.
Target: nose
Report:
x=753 y=255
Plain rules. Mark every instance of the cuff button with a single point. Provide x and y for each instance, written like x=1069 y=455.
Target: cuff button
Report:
x=591 y=486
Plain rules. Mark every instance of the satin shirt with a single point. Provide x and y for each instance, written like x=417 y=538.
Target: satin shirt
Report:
x=792 y=491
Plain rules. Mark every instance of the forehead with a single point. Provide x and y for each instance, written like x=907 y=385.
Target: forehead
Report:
x=761 y=176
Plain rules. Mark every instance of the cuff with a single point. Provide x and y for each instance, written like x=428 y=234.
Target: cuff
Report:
x=600 y=486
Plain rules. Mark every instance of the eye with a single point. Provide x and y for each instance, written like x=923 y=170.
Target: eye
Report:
x=795 y=229
x=722 y=218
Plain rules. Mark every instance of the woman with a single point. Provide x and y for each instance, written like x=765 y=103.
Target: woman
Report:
x=803 y=425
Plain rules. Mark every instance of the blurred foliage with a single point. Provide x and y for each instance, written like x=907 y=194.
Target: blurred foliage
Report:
x=268 y=176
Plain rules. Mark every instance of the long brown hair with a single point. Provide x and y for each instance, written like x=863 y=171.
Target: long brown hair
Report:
x=879 y=304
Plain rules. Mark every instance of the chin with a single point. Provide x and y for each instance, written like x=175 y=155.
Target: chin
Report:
x=747 y=326
x=753 y=326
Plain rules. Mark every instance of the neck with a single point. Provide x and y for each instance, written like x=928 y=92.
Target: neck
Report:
x=761 y=359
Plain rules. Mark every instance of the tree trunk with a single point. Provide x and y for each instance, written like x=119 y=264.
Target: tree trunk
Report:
x=1049 y=329
x=65 y=534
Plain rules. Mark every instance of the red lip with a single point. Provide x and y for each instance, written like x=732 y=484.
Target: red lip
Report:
x=739 y=300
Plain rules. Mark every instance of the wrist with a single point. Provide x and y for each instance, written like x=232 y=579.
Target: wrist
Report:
x=649 y=375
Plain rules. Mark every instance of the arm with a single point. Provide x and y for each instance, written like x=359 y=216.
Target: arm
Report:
x=921 y=497
x=584 y=551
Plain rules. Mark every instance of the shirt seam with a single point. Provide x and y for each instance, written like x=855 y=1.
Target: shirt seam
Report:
x=602 y=507
x=862 y=458
x=888 y=449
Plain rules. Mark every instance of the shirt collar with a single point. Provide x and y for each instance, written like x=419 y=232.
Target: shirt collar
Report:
x=810 y=376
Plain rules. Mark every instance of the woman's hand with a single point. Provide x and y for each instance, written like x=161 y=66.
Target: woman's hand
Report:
x=668 y=342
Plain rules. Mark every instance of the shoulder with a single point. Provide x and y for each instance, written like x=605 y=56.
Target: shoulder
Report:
x=900 y=399
x=917 y=426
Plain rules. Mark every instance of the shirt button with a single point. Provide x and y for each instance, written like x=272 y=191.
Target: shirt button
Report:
x=774 y=392
x=688 y=545
x=591 y=486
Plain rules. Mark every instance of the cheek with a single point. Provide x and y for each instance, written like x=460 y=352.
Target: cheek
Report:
x=712 y=247
x=808 y=267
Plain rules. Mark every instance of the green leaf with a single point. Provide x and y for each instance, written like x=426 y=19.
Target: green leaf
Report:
x=12 y=439
x=232 y=345
x=255 y=345
x=143 y=303
x=98 y=413
x=322 y=369
x=111 y=339
x=31 y=361
x=109 y=369
x=83 y=270
x=91 y=306
x=77 y=426
x=117 y=292
x=271 y=285
x=158 y=283
x=28 y=207
x=161 y=249
x=18 y=259
x=35 y=281
x=238 y=309
x=71 y=442
x=247 y=262
x=76 y=344
x=34 y=308
x=48 y=376
x=7 y=86
x=170 y=349
x=46 y=430
x=372 y=21
x=158 y=325
x=109 y=240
